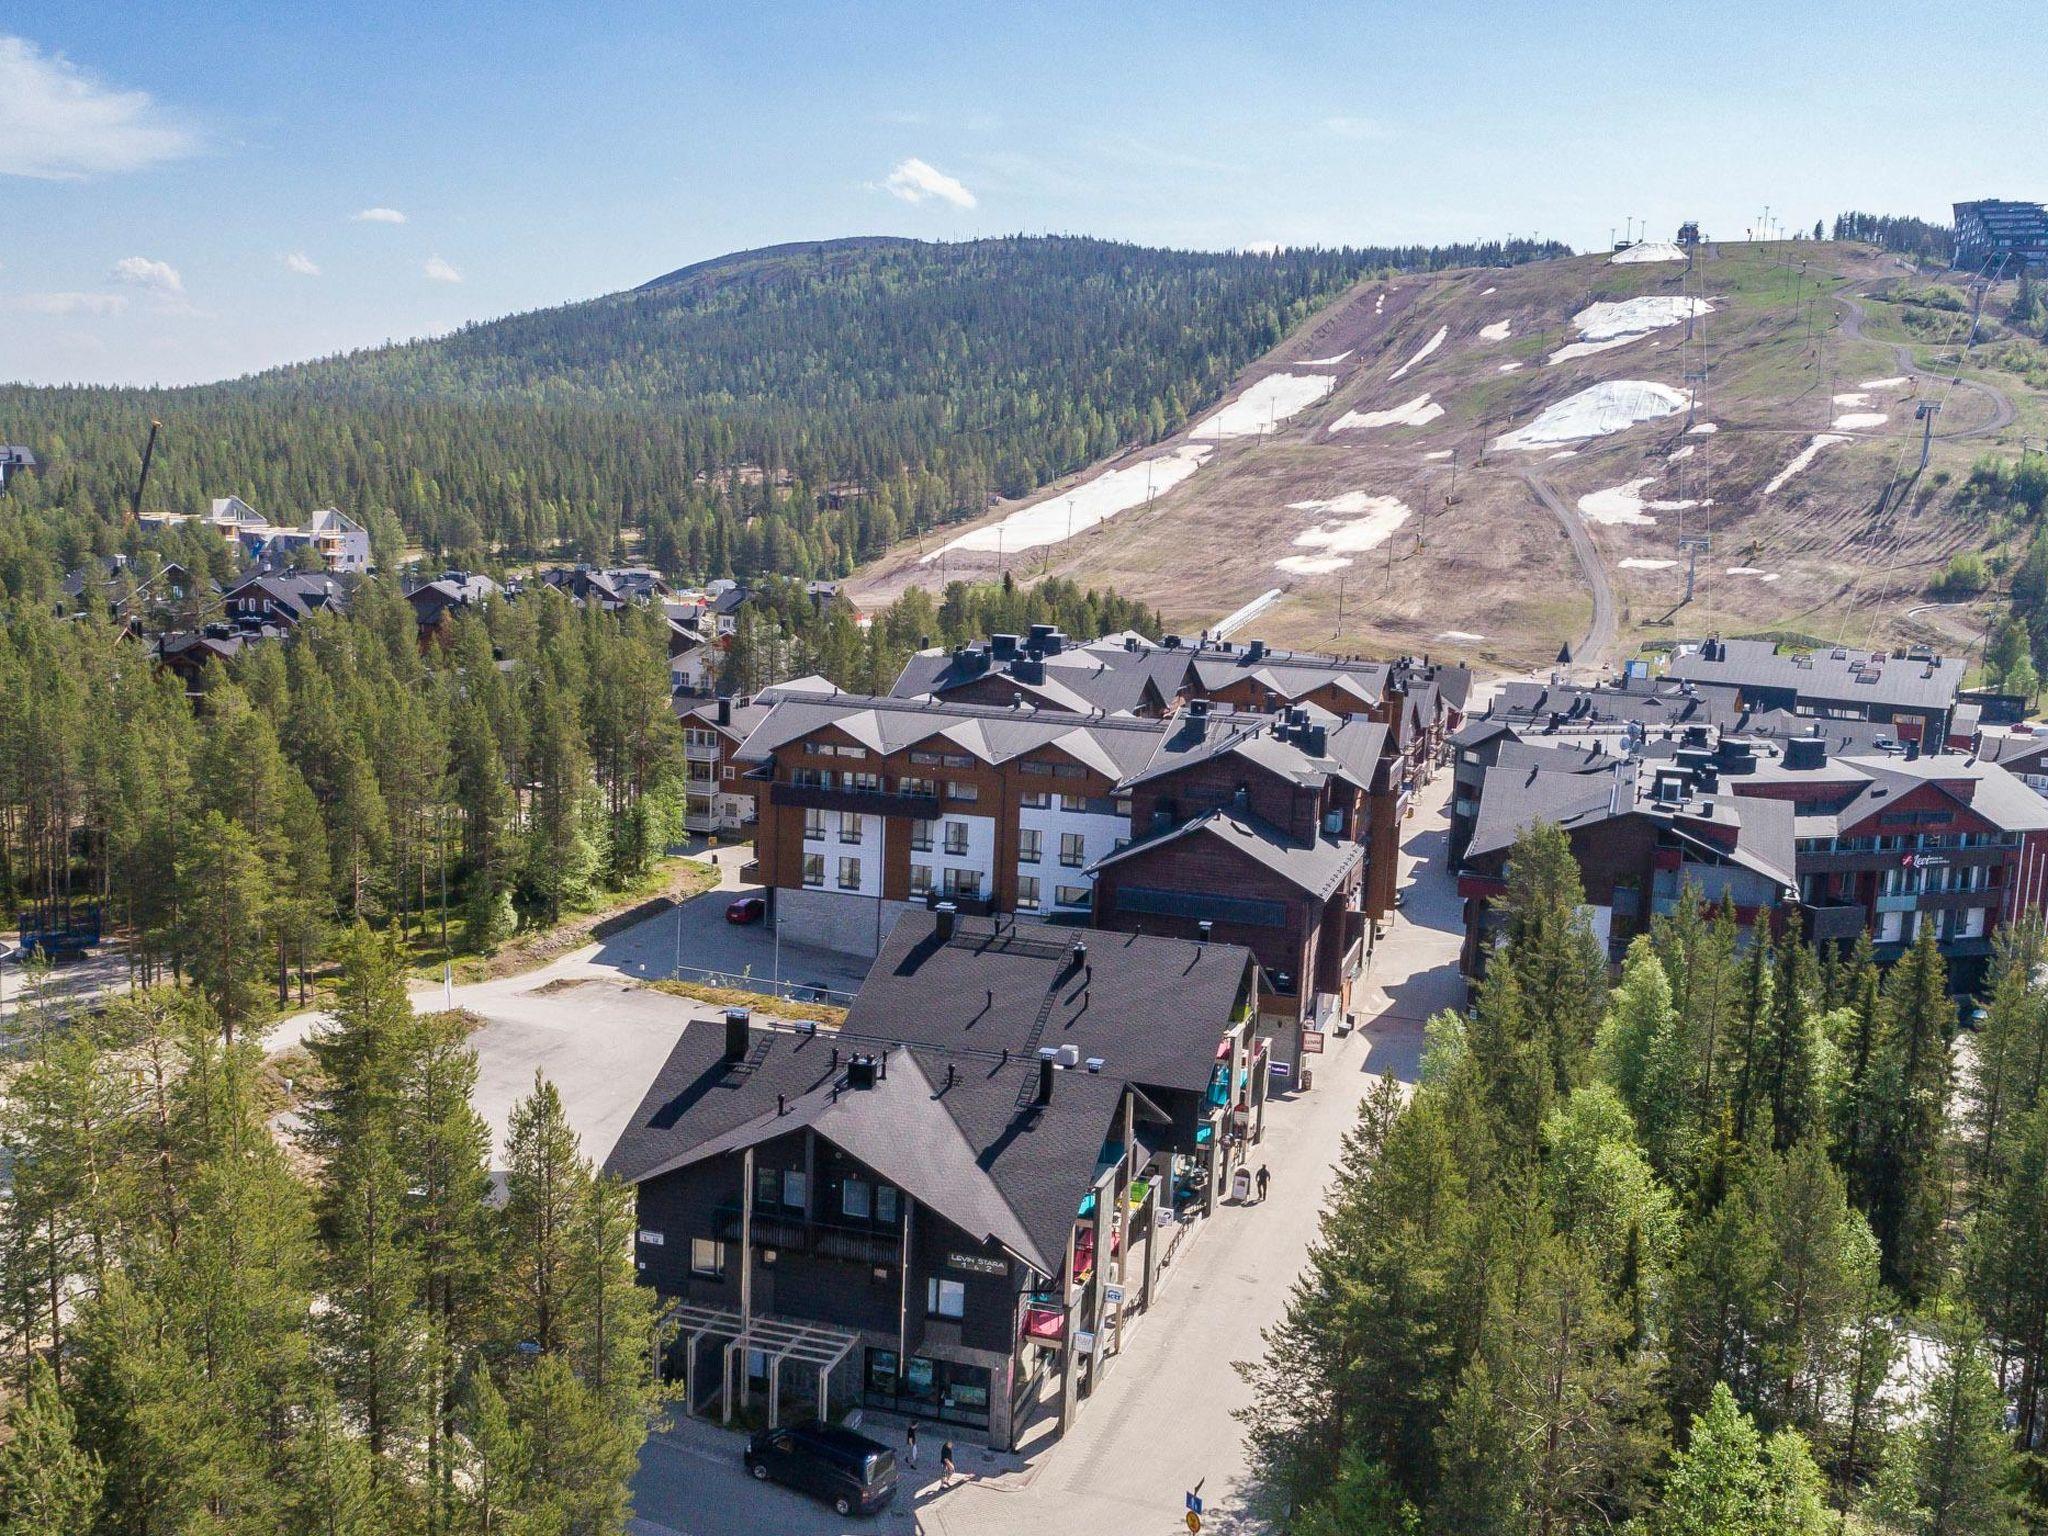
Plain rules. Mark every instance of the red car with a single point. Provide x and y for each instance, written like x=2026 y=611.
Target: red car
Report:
x=748 y=909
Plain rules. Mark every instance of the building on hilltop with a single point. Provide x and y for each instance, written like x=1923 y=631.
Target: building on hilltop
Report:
x=1993 y=233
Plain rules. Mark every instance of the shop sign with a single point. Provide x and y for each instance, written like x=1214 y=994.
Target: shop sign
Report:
x=1311 y=1042
x=977 y=1264
x=1113 y=1294
x=1085 y=1343
x=1281 y=1069
x=652 y=1239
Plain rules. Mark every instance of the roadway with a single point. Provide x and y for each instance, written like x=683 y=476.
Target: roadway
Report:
x=1598 y=640
x=2003 y=413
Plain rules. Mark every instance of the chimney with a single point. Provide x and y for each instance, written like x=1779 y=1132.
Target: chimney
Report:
x=725 y=710
x=944 y=915
x=1315 y=740
x=860 y=1072
x=1806 y=752
x=737 y=1031
x=1198 y=709
x=1004 y=647
x=924 y=642
x=1205 y=928
x=1255 y=650
x=1047 y=1066
x=1078 y=955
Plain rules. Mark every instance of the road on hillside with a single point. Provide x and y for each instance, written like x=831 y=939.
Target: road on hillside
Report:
x=1598 y=640
x=2003 y=414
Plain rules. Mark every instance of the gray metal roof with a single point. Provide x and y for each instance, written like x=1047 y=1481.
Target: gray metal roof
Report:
x=1839 y=674
x=1317 y=869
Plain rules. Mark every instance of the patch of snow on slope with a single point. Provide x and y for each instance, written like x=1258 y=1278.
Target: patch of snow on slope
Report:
x=1498 y=331
x=1441 y=453
x=1854 y=398
x=1636 y=563
x=1893 y=383
x=1427 y=347
x=1485 y=291
x=1860 y=421
x=1629 y=317
x=1624 y=504
x=1419 y=412
x=1572 y=349
x=1114 y=491
x=1325 y=362
x=1684 y=453
x=1265 y=405
x=1804 y=457
x=1613 y=405
x=1509 y=367
x=1355 y=535
x=1647 y=250
x=1459 y=634
x=1702 y=429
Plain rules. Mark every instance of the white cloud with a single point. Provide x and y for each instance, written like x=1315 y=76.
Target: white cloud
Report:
x=1354 y=127
x=915 y=181
x=301 y=263
x=65 y=303
x=59 y=123
x=1263 y=248
x=440 y=271
x=157 y=277
x=378 y=216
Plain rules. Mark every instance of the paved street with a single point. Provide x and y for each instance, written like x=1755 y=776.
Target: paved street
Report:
x=1161 y=1421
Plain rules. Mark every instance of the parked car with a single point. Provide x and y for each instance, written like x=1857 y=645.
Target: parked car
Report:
x=748 y=909
x=855 y=1475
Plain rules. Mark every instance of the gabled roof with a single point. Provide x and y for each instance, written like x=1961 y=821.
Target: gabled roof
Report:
x=1112 y=678
x=1838 y=674
x=1984 y=788
x=1514 y=799
x=1316 y=869
x=1291 y=675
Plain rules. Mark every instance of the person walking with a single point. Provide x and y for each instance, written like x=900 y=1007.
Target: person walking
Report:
x=910 y=1439
x=1265 y=1178
x=946 y=1464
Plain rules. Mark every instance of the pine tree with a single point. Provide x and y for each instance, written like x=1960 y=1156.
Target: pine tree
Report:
x=2008 y=1267
x=1729 y=1482
x=223 y=905
x=1952 y=1471
x=546 y=1188
x=1899 y=1178
x=49 y=1486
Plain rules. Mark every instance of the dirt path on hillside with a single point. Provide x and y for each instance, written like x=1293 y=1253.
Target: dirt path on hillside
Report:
x=1594 y=645
x=2003 y=414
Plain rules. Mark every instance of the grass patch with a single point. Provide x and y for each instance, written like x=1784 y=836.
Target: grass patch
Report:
x=740 y=997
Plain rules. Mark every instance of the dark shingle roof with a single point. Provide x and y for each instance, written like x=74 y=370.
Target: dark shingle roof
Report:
x=1840 y=674
x=1317 y=869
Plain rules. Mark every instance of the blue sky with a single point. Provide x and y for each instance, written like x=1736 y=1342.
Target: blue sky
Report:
x=182 y=187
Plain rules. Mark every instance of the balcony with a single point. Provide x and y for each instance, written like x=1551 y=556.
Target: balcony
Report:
x=865 y=802
x=1834 y=922
x=774 y=1228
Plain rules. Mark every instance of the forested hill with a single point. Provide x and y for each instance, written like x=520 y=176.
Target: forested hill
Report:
x=791 y=410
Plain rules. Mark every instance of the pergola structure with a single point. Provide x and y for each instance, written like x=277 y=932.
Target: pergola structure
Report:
x=820 y=1348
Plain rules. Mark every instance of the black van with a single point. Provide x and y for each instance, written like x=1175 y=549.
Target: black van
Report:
x=855 y=1475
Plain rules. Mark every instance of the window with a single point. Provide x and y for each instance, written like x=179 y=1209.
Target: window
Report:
x=814 y=869
x=814 y=826
x=958 y=760
x=907 y=785
x=707 y=1258
x=945 y=1298
x=810 y=778
x=960 y=789
x=852 y=780
x=920 y=879
x=1070 y=770
x=1072 y=851
x=926 y=759
x=852 y=752
x=849 y=827
x=885 y=1204
x=1043 y=770
x=793 y=1189
x=963 y=882
x=1070 y=895
x=1027 y=892
x=856 y=1199
x=1030 y=846
x=849 y=874
x=956 y=838
x=920 y=837
x=728 y=773
x=767 y=1186
x=1037 y=802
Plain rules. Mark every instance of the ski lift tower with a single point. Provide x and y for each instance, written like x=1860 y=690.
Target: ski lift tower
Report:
x=1925 y=413
x=1694 y=545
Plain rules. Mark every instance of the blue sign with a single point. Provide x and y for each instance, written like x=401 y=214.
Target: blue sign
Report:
x=1194 y=1503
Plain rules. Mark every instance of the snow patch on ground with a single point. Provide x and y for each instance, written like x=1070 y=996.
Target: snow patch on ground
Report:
x=1419 y=412
x=1509 y=367
x=1684 y=453
x=1441 y=453
x=1498 y=331
x=1633 y=317
x=1265 y=405
x=1624 y=504
x=1745 y=570
x=1325 y=362
x=1570 y=350
x=1485 y=291
x=1049 y=521
x=1892 y=383
x=1647 y=250
x=1356 y=534
x=1804 y=457
x=1636 y=563
x=1460 y=634
x=1614 y=405
x=1853 y=398
x=1860 y=421
x=1425 y=350
x=1569 y=453
x=1702 y=429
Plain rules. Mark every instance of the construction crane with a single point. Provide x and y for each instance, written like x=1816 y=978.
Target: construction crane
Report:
x=142 y=480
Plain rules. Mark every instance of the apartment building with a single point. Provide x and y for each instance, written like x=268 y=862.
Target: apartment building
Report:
x=1911 y=692
x=719 y=796
x=342 y=543
x=949 y=1208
